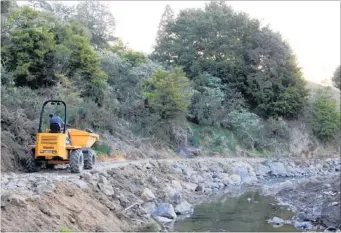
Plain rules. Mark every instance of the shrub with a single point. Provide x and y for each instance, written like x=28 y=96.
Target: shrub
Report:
x=325 y=116
x=277 y=128
x=246 y=126
x=168 y=94
x=7 y=78
x=214 y=139
x=207 y=106
x=207 y=101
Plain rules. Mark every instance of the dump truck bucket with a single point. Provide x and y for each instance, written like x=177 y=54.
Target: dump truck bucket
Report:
x=82 y=138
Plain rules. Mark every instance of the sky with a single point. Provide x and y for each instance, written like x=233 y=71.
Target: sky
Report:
x=312 y=28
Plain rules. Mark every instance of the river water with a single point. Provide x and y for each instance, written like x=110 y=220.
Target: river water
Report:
x=248 y=212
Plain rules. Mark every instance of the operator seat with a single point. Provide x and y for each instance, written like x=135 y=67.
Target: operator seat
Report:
x=54 y=128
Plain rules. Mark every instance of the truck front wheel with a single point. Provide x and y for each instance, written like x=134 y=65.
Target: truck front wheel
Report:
x=76 y=161
x=30 y=163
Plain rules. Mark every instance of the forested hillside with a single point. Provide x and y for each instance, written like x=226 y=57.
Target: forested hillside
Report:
x=216 y=80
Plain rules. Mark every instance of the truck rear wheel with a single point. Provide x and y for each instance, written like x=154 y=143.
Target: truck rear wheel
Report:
x=89 y=158
x=76 y=161
x=30 y=163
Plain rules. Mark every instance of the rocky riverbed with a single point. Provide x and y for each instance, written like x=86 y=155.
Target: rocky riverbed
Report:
x=316 y=201
x=151 y=195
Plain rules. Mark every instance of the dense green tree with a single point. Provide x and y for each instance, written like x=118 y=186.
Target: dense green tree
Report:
x=99 y=20
x=120 y=77
x=229 y=45
x=163 y=37
x=168 y=93
x=325 y=116
x=83 y=61
x=30 y=49
x=207 y=101
x=125 y=82
x=41 y=49
x=62 y=12
x=133 y=57
x=7 y=8
x=212 y=100
x=167 y=17
x=336 y=79
x=275 y=84
x=246 y=126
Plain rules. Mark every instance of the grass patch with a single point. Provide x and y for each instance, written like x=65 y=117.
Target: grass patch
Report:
x=220 y=140
x=102 y=148
x=63 y=229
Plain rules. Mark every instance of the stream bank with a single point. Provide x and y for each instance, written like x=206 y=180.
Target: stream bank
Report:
x=140 y=195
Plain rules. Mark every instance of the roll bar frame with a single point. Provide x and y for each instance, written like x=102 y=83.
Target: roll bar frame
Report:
x=42 y=113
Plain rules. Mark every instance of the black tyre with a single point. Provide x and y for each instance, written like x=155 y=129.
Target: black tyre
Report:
x=76 y=161
x=30 y=163
x=89 y=158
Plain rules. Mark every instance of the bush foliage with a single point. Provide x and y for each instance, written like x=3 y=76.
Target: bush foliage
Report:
x=325 y=117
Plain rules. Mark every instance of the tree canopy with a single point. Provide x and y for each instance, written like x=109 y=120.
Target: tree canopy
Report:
x=234 y=48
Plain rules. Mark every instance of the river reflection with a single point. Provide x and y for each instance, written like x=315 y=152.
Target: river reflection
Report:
x=248 y=212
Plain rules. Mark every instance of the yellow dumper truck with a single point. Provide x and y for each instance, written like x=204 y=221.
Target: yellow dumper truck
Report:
x=58 y=145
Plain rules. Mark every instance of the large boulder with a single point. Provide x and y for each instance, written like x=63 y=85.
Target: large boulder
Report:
x=305 y=225
x=168 y=192
x=80 y=184
x=150 y=207
x=276 y=221
x=102 y=179
x=291 y=170
x=163 y=220
x=106 y=189
x=224 y=178
x=13 y=200
x=197 y=179
x=200 y=188
x=235 y=179
x=190 y=186
x=147 y=195
x=172 y=195
x=262 y=170
x=86 y=176
x=165 y=210
x=179 y=167
x=278 y=169
x=188 y=171
x=245 y=171
x=176 y=185
x=184 y=208
x=44 y=187
x=176 y=199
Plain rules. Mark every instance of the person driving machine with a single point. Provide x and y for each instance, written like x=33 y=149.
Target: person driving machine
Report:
x=54 y=121
x=56 y=124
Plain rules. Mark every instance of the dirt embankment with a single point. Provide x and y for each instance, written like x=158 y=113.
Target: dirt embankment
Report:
x=139 y=195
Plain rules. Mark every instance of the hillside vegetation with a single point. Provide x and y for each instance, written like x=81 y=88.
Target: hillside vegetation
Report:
x=215 y=80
